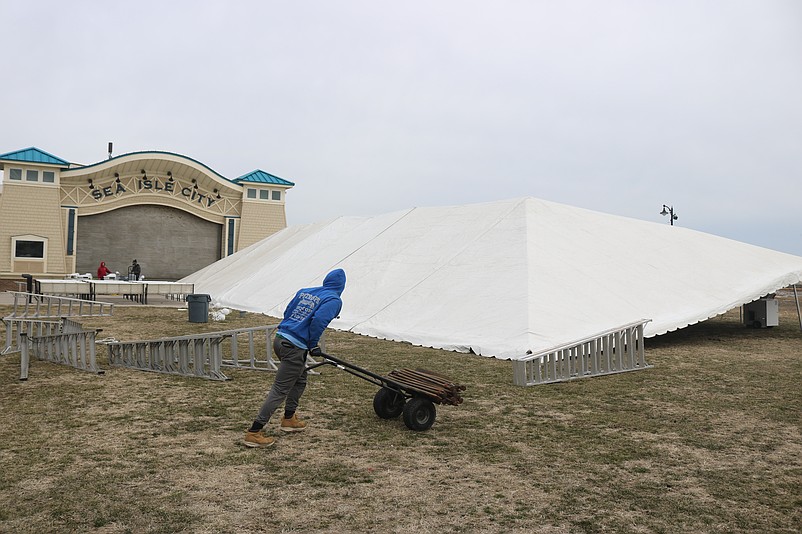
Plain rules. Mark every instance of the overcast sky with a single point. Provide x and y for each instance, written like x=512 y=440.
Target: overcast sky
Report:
x=371 y=107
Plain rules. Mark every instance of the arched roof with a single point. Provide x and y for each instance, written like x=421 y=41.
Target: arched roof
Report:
x=156 y=153
x=151 y=161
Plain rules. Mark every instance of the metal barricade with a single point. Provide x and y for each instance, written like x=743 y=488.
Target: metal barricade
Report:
x=254 y=337
x=197 y=356
x=76 y=349
x=15 y=327
x=201 y=355
x=32 y=305
x=257 y=359
x=613 y=351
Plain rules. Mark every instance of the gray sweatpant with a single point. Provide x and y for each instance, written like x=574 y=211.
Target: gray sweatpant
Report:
x=290 y=380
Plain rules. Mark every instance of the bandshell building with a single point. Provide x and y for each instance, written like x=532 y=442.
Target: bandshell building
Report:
x=170 y=212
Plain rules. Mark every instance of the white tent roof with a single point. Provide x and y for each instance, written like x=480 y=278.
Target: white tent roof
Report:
x=501 y=278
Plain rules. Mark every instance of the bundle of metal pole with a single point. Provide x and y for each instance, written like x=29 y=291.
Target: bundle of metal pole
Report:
x=440 y=388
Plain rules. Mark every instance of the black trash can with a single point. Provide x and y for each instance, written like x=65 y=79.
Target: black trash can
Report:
x=29 y=285
x=28 y=282
x=198 y=306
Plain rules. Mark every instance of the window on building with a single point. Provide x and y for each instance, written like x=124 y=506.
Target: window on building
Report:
x=71 y=232
x=31 y=175
x=230 y=237
x=263 y=194
x=29 y=249
x=15 y=174
x=48 y=177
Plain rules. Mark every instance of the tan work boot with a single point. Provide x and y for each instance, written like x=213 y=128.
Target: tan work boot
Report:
x=293 y=424
x=257 y=439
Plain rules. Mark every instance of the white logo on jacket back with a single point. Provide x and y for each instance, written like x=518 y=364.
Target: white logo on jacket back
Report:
x=306 y=305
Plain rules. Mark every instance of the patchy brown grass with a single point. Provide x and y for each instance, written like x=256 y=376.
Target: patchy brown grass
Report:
x=706 y=441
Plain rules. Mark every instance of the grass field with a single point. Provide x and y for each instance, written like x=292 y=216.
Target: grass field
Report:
x=708 y=440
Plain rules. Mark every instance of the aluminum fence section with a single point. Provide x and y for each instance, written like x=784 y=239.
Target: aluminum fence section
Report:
x=201 y=355
x=613 y=351
x=24 y=363
x=260 y=356
x=32 y=305
x=69 y=326
x=257 y=338
x=15 y=327
x=198 y=356
x=76 y=349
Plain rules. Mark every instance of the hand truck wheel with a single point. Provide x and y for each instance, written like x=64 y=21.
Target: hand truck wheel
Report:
x=419 y=414
x=388 y=404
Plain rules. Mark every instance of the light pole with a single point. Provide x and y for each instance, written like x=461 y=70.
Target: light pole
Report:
x=669 y=210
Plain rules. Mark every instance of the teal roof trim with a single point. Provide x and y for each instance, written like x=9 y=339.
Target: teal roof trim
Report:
x=34 y=155
x=262 y=177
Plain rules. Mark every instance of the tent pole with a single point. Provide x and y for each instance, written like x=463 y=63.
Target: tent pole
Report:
x=798 y=313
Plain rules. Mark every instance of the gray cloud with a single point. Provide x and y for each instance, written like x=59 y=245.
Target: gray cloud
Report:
x=371 y=107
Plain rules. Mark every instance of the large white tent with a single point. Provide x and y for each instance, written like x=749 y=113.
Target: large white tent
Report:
x=501 y=278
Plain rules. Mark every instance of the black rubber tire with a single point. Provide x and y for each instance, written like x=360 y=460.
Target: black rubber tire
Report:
x=388 y=404
x=419 y=414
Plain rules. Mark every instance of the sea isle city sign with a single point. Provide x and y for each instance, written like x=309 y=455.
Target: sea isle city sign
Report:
x=170 y=186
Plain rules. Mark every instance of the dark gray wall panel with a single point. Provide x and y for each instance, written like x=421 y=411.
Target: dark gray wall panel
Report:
x=168 y=243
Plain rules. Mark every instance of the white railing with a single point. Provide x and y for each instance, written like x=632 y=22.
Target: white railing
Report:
x=76 y=349
x=617 y=350
x=15 y=327
x=260 y=348
x=258 y=359
x=197 y=356
x=201 y=355
x=33 y=305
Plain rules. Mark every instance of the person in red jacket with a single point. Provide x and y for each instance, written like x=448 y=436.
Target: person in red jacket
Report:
x=102 y=271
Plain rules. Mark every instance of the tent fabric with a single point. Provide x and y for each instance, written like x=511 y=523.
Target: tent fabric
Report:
x=501 y=278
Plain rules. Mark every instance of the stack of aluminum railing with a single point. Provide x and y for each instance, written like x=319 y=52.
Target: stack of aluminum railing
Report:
x=42 y=326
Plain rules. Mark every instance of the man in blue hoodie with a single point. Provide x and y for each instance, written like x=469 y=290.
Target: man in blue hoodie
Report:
x=306 y=317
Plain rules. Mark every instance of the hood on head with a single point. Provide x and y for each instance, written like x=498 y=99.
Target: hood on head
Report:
x=335 y=280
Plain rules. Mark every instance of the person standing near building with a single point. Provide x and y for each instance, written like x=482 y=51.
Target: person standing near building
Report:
x=305 y=318
x=102 y=271
x=134 y=271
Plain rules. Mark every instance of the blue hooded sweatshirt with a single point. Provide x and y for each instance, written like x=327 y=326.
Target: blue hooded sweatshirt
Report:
x=311 y=310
